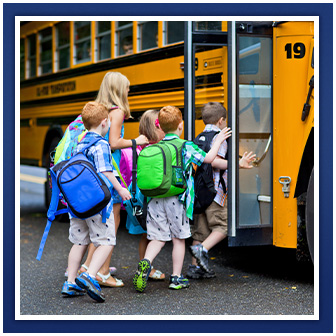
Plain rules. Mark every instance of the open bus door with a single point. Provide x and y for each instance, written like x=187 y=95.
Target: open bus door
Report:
x=250 y=117
x=238 y=61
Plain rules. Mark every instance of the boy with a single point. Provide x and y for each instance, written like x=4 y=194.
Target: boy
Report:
x=82 y=232
x=168 y=218
x=210 y=227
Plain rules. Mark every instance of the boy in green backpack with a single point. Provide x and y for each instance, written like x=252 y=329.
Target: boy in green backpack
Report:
x=168 y=214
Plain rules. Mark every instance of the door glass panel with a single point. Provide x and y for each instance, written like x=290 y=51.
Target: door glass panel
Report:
x=209 y=85
x=254 y=129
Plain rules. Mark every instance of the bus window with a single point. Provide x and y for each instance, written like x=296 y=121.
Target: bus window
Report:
x=82 y=50
x=103 y=40
x=22 y=59
x=148 y=35
x=63 y=45
x=254 y=60
x=32 y=56
x=208 y=25
x=45 y=51
x=174 y=32
x=124 y=38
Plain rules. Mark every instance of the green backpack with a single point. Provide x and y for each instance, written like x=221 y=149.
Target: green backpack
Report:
x=160 y=169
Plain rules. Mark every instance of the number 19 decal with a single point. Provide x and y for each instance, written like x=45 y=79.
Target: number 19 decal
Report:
x=298 y=49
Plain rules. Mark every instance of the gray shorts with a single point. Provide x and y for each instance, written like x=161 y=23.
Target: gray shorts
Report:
x=92 y=230
x=167 y=219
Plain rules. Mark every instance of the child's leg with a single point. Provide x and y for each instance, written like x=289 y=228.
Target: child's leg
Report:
x=178 y=255
x=193 y=260
x=143 y=245
x=99 y=257
x=75 y=257
x=213 y=239
x=153 y=249
x=105 y=267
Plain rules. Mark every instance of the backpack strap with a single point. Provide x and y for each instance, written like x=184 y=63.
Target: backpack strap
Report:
x=134 y=168
x=52 y=212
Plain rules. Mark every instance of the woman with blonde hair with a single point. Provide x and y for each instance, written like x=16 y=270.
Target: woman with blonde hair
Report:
x=113 y=93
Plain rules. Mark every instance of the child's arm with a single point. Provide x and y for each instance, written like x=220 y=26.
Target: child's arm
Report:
x=123 y=192
x=114 y=137
x=222 y=135
x=244 y=162
x=219 y=163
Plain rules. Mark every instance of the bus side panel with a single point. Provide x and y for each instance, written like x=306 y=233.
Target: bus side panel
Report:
x=292 y=43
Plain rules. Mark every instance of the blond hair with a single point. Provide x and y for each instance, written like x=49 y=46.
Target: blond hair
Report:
x=212 y=112
x=93 y=114
x=169 y=118
x=147 y=125
x=113 y=92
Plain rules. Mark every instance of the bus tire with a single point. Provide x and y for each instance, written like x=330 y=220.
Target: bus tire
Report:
x=310 y=215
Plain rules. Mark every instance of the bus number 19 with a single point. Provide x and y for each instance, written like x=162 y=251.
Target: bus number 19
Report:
x=299 y=50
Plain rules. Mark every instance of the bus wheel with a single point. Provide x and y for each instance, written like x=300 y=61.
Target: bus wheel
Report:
x=310 y=215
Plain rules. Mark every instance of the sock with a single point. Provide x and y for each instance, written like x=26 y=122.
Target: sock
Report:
x=204 y=249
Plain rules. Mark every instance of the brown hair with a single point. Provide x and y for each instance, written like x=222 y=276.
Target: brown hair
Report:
x=169 y=118
x=113 y=92
x=93 y=114
x=147 y=125
x=212 y=112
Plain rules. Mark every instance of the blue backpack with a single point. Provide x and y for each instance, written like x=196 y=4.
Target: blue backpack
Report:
x=86 y=191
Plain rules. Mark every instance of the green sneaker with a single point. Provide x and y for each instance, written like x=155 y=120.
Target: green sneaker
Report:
x=141 y=275
x=176 y=282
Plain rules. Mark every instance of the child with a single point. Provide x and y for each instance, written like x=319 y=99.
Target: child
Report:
x=149 y=127
x=210 y=227
x=81 y=232
x=168 y=218
x=113 y=94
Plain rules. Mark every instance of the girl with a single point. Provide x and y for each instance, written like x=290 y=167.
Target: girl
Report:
x=150 y=127
x=113 y=93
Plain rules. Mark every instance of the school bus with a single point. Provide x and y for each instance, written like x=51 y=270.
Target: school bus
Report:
x=262 y=72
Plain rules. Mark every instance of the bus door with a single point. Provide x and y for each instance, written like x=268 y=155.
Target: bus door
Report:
x=205 y=71
x=250 y=117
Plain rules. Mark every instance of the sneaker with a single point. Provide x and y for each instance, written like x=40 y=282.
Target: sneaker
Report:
x=176 y=282
x=91 y=285
x=201 y=256
x=195 y=272
x=141 y=275
x=70 y=289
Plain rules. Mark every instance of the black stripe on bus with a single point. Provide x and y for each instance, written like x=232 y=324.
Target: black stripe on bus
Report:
x=129 y=60
x=135 y=90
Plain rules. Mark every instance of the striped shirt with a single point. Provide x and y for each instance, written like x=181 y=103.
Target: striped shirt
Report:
x=191 y=153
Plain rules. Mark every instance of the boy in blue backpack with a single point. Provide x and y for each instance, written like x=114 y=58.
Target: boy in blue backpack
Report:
x=210 y=225
x=83 y=232
x=168 y=217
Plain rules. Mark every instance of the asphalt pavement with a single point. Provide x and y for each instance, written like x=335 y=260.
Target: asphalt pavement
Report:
x=250 y=281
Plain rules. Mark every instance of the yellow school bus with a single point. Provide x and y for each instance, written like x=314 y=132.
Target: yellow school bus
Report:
x=262 y=72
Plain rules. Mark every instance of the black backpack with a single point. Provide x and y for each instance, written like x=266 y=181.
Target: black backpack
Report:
x=205 y=191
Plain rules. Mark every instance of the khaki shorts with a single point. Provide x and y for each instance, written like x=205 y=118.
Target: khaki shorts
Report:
x=92 y=230
x=213 y=219
x=167 y=219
